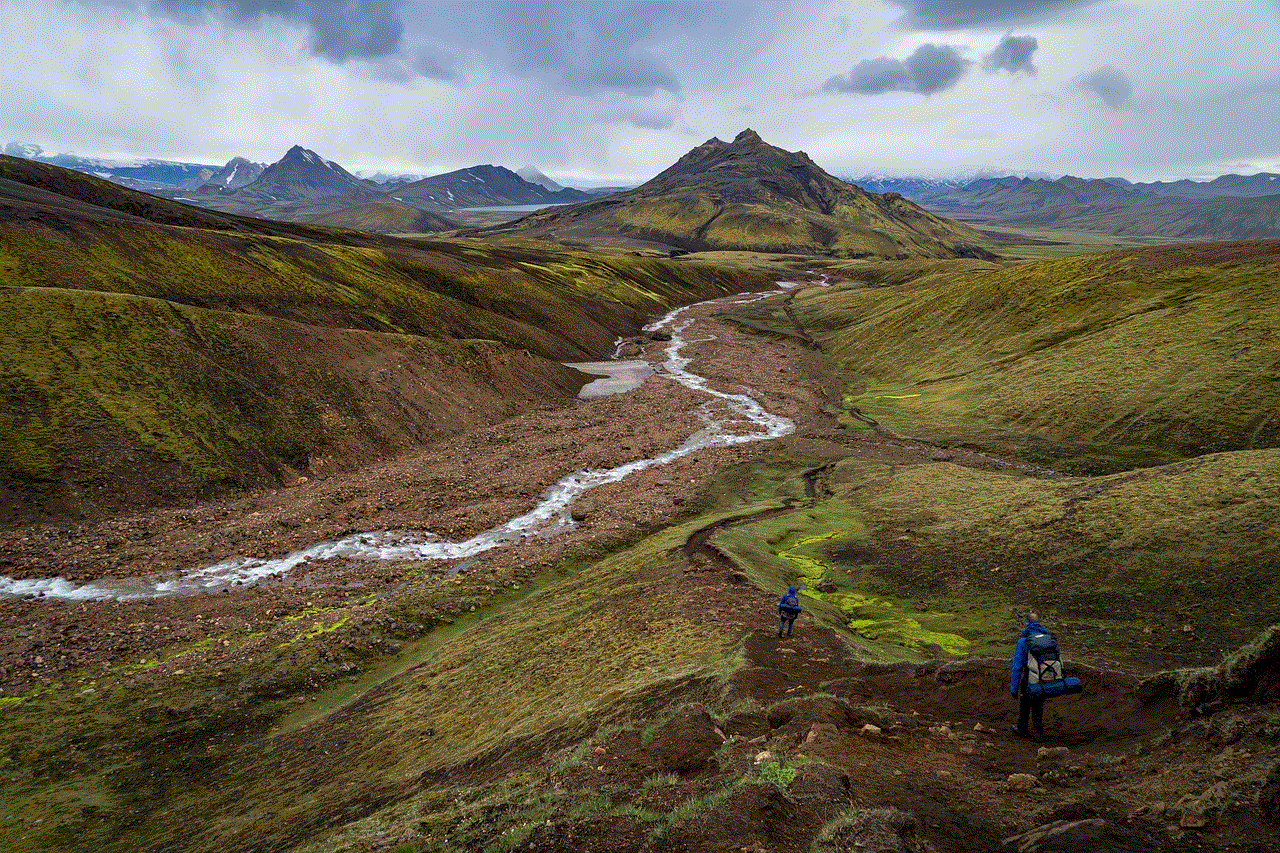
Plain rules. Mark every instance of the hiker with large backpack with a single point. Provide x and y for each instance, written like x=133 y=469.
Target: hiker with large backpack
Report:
x=1037 y=675
x=788 y=609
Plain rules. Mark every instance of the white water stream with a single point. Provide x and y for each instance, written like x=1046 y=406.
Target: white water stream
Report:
x=729 y=419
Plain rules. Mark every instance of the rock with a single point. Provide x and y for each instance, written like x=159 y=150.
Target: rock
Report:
x=1063 y=835
x=659 y=335
x=826 y=585
x=630 y=351
x=581 y=510
x=871 y=730
x=1021 y=782
x=941 y=456
x=1050 y=753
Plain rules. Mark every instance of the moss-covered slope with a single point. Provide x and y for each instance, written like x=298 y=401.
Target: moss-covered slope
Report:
x=1090 y=363
x=386 y=218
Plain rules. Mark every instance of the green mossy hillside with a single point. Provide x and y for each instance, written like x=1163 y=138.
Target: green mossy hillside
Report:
x=444 y=290
x=1090 y=363
x=153 y=361
x=386 y=218
x=114 y=400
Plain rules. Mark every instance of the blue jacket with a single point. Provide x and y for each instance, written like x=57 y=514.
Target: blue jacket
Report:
x=1020 y=655
x=789 y=606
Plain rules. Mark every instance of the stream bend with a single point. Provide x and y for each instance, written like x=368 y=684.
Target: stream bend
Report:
x=729 y=419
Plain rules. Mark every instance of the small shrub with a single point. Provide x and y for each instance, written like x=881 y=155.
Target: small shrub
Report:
x=781 y=775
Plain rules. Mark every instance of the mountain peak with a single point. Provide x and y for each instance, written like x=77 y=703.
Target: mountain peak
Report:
x=747 y=136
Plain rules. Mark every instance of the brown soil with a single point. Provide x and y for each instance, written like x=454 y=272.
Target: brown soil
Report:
x=943 y=753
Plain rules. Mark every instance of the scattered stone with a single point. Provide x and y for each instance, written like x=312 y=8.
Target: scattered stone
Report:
x=941 y=456
x=826 y=585
x=871 y=730
x=1049 y=753
x=1021 y=782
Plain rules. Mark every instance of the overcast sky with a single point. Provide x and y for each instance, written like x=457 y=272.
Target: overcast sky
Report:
x=595 y=93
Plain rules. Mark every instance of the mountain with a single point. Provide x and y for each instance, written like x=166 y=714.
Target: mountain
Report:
x=136 y=173
x=302 y=174
x=387 y=178
x=1230 y=207
x=749 y=195
x=1224 y=186
x=1250 y=218
x=480 y=186
x=237 y=173
x=1029 y=195
x=533 y=176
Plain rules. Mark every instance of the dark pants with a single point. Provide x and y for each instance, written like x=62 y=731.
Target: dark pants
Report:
x=1033 y=708
x=785 y=622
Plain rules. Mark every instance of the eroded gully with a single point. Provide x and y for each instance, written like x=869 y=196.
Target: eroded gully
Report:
x=729 y=419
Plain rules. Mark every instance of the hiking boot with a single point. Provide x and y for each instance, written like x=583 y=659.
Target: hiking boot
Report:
x=1020 y=732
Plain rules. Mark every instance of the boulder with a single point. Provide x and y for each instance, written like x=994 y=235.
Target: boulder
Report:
x=1021 y=782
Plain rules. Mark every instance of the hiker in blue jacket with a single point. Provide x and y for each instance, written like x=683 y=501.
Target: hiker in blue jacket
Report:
x=1028 y=706
x=788 y=609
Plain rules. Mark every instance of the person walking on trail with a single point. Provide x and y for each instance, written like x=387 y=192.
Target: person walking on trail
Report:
x=788 y=609
x=1029 y=706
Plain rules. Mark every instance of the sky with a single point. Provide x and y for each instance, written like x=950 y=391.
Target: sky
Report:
x=599 y=93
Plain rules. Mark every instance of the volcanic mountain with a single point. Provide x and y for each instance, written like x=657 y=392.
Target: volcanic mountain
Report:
x=749 y=195
x=304 y=174
x=480 y=186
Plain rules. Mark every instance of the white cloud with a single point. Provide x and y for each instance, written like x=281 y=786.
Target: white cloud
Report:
x=618 y=91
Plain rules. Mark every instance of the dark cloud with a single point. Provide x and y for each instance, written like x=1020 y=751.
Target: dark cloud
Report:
x=1012 y=54
x=932 y=68
x=1110 y=84
x=975 y=14
x=589 y=47
x=340 y=29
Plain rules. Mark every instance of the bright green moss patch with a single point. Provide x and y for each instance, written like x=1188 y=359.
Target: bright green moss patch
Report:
x=1110 y=555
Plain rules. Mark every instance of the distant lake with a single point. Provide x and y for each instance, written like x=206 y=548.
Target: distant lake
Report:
x=513 y=208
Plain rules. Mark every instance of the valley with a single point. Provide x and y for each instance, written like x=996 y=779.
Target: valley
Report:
x=946 y=439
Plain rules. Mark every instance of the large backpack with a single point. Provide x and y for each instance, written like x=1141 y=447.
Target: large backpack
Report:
x=1044 y=668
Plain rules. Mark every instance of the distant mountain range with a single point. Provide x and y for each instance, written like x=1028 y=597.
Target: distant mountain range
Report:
x=747 y=195
x=305 y=187
x=923 y=189
x=1230 y=207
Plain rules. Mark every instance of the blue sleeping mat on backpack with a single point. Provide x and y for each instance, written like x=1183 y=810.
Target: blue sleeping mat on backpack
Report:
x=1050 y=689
